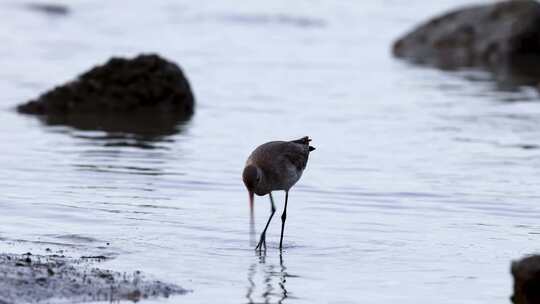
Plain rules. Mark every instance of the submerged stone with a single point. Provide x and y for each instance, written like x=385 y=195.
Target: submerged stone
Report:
x=54 y=9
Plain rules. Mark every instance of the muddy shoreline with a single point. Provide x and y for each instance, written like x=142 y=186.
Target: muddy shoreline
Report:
x=29 y=278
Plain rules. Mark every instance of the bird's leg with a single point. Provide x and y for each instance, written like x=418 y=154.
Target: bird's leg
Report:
x=283 y=218
x=263 y=234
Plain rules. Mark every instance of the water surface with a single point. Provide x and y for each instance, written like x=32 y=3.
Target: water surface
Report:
x=423 y=187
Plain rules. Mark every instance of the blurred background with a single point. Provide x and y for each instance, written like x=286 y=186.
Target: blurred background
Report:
x=423 y=187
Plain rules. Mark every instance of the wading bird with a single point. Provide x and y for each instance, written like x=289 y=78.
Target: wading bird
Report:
x=275 y=165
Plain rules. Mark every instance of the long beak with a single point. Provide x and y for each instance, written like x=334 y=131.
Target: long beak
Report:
x=251 y=203
x=251 y=221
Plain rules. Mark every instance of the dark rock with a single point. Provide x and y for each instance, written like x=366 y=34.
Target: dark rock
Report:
x=120 y=86
x=61 y=279
x=94 y=257
x=136 y=101
x=526 y=274
x=493 y=35
x=49 y=8
x=279 y=19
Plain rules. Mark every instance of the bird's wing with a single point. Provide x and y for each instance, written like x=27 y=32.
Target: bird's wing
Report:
x=297 y=155
x=292 y=152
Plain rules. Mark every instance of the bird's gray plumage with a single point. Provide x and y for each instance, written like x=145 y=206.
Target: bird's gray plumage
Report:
x=281 y=164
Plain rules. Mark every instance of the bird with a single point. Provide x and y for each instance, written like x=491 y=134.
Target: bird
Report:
x=274 y=166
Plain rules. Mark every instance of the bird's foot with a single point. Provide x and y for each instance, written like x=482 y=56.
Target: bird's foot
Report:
x=262 y=243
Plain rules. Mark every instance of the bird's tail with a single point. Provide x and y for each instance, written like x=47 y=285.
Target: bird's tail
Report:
x=304 y=141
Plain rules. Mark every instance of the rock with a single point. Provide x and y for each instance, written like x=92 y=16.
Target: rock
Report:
x=67 y=280
x=146 y=95
x=53 y=9
x=526 y=274
x=120 y=86
x=493 y=35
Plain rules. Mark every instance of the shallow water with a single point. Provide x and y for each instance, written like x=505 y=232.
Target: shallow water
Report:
x=423 y=187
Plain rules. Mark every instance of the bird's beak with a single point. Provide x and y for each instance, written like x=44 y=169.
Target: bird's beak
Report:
x=251 y=202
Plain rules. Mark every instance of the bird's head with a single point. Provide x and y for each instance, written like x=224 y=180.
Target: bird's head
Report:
x=251 y=177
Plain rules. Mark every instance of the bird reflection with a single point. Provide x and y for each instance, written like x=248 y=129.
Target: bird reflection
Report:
x=273 y=282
